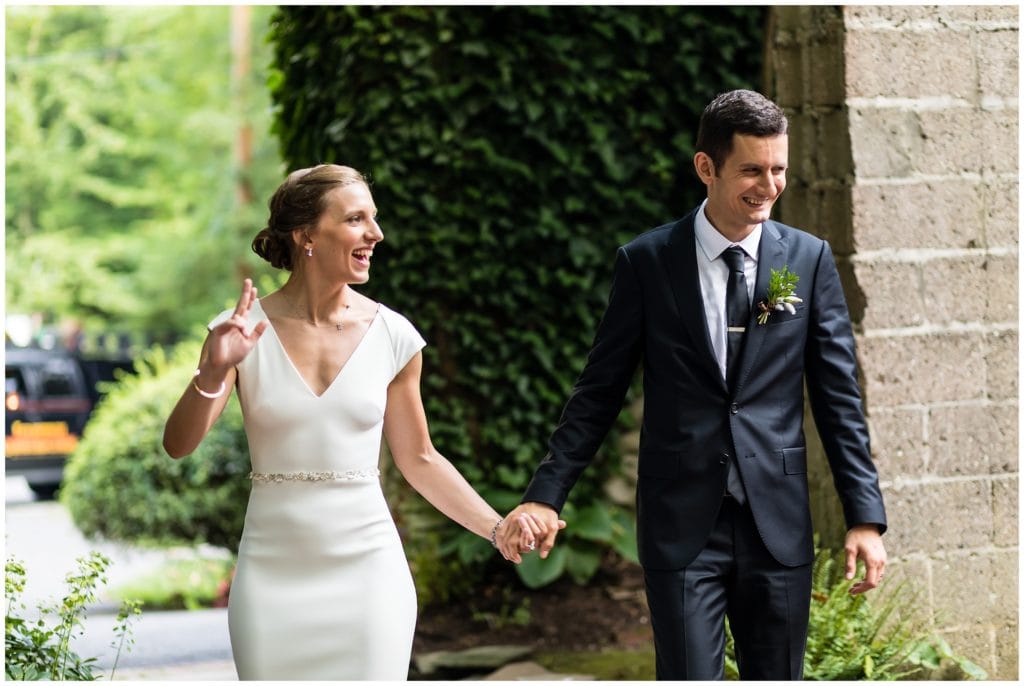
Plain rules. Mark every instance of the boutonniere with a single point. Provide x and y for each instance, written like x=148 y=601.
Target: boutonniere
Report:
x=781 y=294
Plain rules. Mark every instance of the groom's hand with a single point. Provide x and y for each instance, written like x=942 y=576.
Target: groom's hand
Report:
x=863 y=542
x=544 y=522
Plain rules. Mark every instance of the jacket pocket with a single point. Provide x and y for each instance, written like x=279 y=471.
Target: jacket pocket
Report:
x=659 y=465
x=781 y=317
x=794 y=460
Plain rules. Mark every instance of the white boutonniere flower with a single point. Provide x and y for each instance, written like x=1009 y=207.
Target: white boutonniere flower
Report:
x=781 y=294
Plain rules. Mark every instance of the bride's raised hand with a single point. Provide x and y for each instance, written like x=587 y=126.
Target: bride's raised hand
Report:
x=230 y=341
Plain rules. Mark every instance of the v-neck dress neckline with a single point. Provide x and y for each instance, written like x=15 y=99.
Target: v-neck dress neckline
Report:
x=291 y=363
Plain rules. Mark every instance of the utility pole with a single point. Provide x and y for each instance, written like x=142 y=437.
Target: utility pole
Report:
x=241 y=67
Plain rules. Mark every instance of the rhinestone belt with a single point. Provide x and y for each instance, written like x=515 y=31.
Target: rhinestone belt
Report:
x=280 y=477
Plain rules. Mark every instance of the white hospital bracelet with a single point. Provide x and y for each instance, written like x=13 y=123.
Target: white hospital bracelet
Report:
x=211 y=396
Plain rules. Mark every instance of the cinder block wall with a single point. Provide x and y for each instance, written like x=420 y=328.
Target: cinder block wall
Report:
x=903 y=154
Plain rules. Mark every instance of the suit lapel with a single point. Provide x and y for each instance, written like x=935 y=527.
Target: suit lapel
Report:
x=680 y=261
x=770 y=255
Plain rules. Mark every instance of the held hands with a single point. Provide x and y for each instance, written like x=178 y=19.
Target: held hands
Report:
x=228 y=343
x=534 y=522
x=865 y=543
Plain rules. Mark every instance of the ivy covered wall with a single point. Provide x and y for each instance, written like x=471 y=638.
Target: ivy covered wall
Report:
x=510 y=150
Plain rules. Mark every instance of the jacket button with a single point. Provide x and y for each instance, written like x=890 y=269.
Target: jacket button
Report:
x=734 y=408
x=724 y=459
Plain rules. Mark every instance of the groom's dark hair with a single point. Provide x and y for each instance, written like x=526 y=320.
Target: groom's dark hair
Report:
x=741 y=111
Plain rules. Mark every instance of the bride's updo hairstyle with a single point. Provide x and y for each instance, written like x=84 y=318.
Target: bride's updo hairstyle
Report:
x=298 y=203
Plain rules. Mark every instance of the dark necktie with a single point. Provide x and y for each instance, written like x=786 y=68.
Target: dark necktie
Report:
x=737 y=313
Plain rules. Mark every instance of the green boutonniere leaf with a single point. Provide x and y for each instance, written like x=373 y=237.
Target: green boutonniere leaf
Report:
x=781 y=294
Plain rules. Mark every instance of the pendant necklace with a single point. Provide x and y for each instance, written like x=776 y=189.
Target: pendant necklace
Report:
x=339 y=326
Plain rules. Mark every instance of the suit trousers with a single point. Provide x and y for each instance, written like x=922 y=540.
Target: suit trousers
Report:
x=734 y=576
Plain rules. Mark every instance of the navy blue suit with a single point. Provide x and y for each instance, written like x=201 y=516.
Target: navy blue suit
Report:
x=693 y=422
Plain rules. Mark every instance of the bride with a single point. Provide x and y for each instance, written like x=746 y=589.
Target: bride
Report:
x=322 y=588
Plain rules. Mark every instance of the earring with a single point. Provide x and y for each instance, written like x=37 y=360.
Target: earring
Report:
x=309 y=252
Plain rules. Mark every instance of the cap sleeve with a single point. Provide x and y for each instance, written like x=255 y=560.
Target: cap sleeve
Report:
x=406 y=341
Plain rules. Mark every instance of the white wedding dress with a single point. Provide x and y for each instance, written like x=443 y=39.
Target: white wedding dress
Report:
x=322 y=590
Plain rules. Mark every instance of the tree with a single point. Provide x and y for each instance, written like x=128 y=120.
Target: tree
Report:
x=120 y=199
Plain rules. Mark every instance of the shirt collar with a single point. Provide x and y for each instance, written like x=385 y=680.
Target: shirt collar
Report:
x=714 y=244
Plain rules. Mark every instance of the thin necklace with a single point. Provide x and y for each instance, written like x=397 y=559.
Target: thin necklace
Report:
x=339 y=326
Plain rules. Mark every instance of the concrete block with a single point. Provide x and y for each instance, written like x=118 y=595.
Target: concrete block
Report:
x=885 y=142
x=791 y=18
x=972 y=440
x=835 y=219
x=1001 y=365
x=999 y=200
x=958 y=141
x=798 y=205
x=1007 y=653
x=1005 y=512
x=938 y=517
x=909 y=64
x=978 y=602
x=803 y=163
x=1006 y=585
x=828 y=86
x=928 y=368
x=952 y=142
x=1001 y=283
x=833 y=145
x=1000 y=132
x=1001 y=13
x=955 y=289
x=893 y=294
x=826 y=25
x=997 y=57
x=976 y=643
x=901 y=16
x=946 y=214
x=898 y=444
x=788 y=72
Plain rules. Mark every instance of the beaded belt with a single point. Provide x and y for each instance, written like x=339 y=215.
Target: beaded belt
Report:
x=279 y=477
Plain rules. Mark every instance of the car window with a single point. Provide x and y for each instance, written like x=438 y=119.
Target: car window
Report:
x=56 y=382
x=14 y=383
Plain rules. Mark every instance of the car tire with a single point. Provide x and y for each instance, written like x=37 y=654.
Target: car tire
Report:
x=45 y=490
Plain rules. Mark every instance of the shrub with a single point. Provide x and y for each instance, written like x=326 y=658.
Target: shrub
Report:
x=36 y=650
x=182 y=584
x=511 y=150
x=121 y=485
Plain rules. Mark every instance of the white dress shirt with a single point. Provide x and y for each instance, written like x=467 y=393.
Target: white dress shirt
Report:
x=714 y=276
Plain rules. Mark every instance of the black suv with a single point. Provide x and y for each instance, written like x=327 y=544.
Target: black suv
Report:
x=49 y=395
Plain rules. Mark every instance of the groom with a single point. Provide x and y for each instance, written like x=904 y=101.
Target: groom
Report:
x=723 y=519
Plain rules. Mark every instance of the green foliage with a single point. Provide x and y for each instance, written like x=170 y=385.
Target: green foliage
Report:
x=605 y=665
x=121 y=485
x=853 y=638
x=511 y=149
x=36 y=650
x=189 y=584
x=120 y=177
x=510 y=613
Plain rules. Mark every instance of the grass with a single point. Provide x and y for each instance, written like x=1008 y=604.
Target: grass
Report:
x=181 y=584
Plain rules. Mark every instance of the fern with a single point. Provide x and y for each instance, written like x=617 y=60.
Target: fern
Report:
x=852 y=638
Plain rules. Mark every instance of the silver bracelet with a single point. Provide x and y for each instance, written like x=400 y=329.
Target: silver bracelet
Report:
x=494 y=532
x=211 y=396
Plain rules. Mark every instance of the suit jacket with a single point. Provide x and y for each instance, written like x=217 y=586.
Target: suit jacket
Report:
x=693 y=422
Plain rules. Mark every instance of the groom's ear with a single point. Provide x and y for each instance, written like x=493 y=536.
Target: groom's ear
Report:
x=704 y=166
